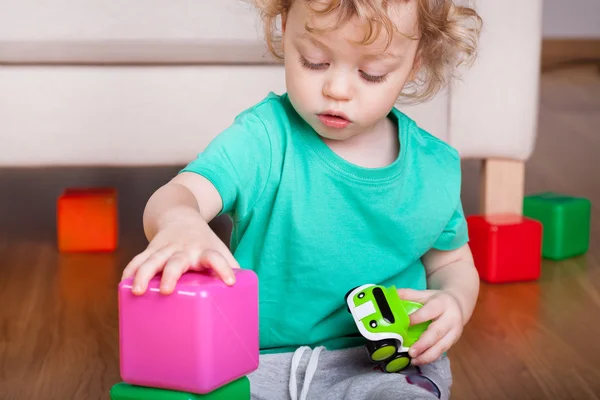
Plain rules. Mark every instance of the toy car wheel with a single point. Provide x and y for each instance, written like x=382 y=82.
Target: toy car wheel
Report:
x=381 y=349
x=398 y=362
x=348 y=293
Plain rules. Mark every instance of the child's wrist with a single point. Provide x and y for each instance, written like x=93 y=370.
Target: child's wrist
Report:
x=460 y=301
x=179 y=215
x=466 y=302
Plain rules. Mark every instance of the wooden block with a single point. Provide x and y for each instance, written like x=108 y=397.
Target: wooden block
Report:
x=502 y=186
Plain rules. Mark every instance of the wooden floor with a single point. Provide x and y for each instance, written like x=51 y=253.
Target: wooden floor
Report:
x=58 y=313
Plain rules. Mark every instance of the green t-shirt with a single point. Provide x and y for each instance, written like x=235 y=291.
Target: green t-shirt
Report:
x=313 y=226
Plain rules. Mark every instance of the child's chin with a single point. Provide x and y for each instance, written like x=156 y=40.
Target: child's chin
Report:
x=334 y=134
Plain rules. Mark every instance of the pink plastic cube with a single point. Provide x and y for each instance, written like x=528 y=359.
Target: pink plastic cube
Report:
x=201 y=337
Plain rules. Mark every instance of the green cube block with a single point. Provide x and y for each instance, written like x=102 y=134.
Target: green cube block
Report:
x=566 y=222
x=236 y=390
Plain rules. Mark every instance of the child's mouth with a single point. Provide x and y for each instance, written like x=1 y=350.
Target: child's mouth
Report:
x=333 y=121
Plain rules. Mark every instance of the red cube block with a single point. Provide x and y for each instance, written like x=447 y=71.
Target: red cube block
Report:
x=87 y=220
x=506 y=247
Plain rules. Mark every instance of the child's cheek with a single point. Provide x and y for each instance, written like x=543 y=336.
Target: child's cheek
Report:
x=374 y=110
x=303 y=88
x=379 y=103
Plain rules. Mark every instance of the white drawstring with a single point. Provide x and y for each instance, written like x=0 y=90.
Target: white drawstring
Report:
x=310 y=371
x=311 y=368
x=295 y=362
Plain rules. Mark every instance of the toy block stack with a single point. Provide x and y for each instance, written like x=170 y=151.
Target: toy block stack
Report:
x=510 y=247
x=566 y=222
x=506 y=247
x=200 y=342
x=87 y=220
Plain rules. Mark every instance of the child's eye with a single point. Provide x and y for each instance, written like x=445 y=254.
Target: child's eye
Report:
x=316 y=66
x=373 y=78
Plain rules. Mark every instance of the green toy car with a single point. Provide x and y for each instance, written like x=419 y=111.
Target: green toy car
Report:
x=383 y=319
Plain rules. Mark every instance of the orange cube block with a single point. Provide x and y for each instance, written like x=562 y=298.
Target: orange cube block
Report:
x=87 y=220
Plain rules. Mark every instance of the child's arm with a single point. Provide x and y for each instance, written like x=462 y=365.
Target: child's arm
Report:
x=176 y=224
x=454 y=272
x=186 y=193
x=449 y=303
x=228 y=176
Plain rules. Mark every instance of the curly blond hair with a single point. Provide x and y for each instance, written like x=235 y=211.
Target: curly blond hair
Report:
x=448 y=35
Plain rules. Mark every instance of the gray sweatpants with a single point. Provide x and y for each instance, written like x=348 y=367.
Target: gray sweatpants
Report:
x=344 y=374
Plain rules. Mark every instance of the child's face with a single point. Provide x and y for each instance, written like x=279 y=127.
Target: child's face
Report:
x=328 y=73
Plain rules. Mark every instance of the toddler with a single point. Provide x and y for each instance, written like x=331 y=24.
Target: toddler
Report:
x=330 y=187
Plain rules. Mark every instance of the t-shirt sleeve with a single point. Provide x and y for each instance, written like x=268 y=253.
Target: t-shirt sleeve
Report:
x=455 y=233
x=237 y=162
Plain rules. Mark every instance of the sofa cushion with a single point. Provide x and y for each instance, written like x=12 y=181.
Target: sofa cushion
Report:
x=133 y=31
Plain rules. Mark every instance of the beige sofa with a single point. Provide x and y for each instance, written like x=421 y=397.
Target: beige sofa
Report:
x=110 y=82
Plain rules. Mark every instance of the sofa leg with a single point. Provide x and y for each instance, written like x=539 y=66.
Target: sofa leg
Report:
x=502 y=186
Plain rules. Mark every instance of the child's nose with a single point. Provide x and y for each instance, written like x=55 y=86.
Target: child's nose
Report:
x=338 y=86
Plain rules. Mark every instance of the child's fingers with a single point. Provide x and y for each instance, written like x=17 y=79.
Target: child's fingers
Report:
x=434 y=333
x=174 y=268
x=415 y=295
x=435 y=351
x=431 y=310
x=135 y=263
x=149 y=268
x=231 y=259
x=216 y=261
x=226 y=253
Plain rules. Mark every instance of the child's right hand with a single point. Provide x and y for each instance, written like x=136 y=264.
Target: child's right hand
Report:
x=181 y=245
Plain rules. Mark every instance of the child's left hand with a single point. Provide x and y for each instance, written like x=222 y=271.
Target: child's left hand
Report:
x=443 y=309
